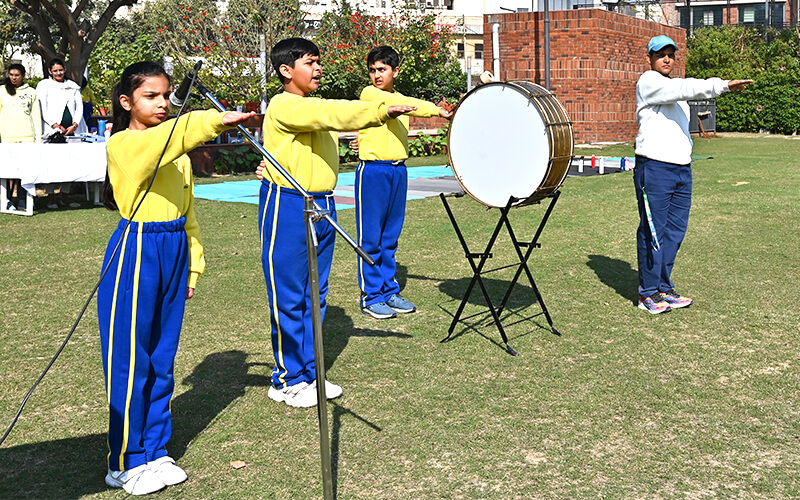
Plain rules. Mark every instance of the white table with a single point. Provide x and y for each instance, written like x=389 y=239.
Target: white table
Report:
x=38 y=163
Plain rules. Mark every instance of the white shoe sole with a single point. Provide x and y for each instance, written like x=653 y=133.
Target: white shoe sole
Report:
x=367 y=312
x=644 y=308
x=279 y=396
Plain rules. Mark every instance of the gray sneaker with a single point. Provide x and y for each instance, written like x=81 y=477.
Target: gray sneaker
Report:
x=400 y=304
x=379 y=310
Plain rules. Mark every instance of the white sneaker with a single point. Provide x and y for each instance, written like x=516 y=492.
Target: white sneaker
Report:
x=140 y=480
x=332 y=391
x=169 y=473
x=300 y=395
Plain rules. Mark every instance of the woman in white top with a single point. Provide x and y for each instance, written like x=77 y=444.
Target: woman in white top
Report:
x=62 y=111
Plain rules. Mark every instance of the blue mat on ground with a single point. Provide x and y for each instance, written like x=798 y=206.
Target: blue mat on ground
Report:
x=247 y=191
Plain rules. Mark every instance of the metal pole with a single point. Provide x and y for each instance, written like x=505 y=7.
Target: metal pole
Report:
x=311 y=215
x=262 y=40
x=496 y=50
x=547 y=44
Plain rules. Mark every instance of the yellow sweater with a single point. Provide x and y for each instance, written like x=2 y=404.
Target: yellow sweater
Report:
x=132 y=156
x=20 y=115
x=299 y=132
x=389 y=142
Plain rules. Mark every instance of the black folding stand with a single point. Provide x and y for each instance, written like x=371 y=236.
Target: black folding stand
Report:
x=521 y=266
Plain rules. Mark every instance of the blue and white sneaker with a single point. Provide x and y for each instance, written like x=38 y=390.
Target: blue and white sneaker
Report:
x=379 y=310
x=400 y=304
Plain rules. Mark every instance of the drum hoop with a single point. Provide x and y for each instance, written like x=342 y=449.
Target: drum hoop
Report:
x=551 y=142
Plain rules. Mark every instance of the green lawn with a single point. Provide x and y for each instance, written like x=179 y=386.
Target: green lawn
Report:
x=697 y=403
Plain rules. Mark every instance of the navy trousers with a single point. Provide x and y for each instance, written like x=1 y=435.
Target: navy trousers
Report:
x=284 y=258
x=140 y=305
x=669 y=193
x=380 y=192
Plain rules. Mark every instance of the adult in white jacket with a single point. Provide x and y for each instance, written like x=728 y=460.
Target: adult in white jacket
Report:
x=62 y=111
x=663 y=173
x=60 y=98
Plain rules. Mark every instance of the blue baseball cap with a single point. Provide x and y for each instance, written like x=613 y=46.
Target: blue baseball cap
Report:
x=659 y=42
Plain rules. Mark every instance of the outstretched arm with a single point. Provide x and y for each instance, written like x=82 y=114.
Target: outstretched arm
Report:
x=735 y=85
x=236 y=117
x=395 y=111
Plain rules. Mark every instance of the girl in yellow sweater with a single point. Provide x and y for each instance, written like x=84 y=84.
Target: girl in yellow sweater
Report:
x=20 y=118
x=141 y=299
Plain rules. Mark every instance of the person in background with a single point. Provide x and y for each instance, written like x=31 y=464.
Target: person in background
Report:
x=88 y=98
x=62 y=112
x=381 y=185
x=20 y=121
x=663 y=174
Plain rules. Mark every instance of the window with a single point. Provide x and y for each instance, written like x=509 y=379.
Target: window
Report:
x=748 y=15
x=460 y=51
x=478 y=51
x=708 y=18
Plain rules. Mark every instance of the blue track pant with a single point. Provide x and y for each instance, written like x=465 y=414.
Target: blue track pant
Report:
x=284 y=258
x=669 y=193
x=140 y=307
x=380 y=192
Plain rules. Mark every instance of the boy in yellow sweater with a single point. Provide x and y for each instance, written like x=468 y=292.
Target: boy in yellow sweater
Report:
x=381 y=185
x=299 y=131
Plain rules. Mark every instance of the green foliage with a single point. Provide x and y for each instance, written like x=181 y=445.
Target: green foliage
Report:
x=119 y=47
x=426 y=145
x=730 y=52
x=346 y=154
x=428 y=68
x=241 y=159
x=228 y=43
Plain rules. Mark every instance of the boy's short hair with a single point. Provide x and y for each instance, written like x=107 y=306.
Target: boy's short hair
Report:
x=384 y=54
x=288 y=51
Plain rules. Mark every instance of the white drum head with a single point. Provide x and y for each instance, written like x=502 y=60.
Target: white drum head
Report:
x=499 y=144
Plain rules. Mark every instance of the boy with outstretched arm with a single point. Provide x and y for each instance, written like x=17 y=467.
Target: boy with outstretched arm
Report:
x=299 y=131
x=380 y=188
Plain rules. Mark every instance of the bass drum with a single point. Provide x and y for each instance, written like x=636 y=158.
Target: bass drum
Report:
x=510 y=139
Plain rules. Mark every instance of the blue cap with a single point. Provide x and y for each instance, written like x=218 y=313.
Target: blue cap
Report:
x=659 y=42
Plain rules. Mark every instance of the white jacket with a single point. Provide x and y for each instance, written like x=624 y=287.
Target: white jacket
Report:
x=54 y=97
x=662 y=114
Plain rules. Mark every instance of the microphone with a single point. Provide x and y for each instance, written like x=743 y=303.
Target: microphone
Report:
x=178 y=97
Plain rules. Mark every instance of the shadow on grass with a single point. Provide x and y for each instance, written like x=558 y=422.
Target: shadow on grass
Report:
x=74 y=467
x=339 y=328
x=479 y=320
x=616 y=274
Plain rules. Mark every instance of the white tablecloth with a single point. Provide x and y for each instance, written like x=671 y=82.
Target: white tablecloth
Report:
x=37 y=163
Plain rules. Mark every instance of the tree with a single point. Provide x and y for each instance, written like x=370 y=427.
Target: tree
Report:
x=428 y=68
x=69 y=33
x=228 y=43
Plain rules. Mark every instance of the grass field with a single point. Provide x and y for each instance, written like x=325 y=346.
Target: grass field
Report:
x=697 y=403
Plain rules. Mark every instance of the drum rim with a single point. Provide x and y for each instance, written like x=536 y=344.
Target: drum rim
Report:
x=515 y=84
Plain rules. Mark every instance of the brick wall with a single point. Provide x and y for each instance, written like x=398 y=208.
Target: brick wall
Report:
x=596 y=57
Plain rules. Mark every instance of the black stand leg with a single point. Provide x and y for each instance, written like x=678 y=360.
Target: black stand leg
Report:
x=482 y=258
x=523 y=261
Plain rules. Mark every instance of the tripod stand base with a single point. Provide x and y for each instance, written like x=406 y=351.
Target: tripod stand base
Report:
x=521 y=266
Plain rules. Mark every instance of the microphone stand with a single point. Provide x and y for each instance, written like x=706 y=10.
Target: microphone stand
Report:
x=313 y=213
